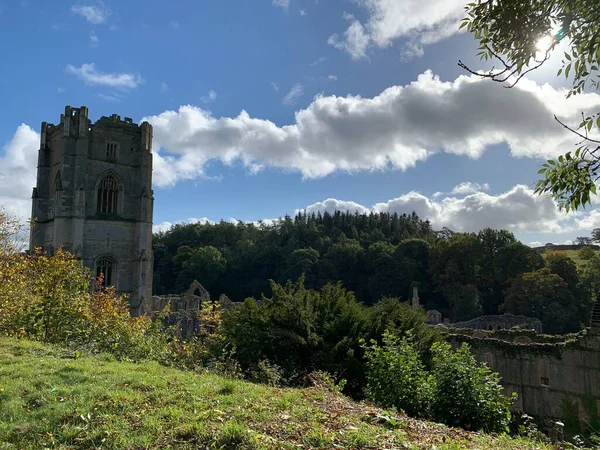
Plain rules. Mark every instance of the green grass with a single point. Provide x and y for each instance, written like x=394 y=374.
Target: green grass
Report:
x=51 y=399
x=574 y=255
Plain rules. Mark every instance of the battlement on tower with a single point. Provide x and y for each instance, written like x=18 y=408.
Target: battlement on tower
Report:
x=75 y=123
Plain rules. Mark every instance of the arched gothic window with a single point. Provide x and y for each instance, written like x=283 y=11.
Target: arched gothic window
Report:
x=108 y=195
x=58 y=182
x=105 y=268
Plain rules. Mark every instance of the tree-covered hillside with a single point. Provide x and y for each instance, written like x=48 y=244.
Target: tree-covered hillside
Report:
x=463 y=275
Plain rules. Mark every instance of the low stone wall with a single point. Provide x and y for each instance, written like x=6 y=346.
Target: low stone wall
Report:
x=500 y=322
x=554 y=380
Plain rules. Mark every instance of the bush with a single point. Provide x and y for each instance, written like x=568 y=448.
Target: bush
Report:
x=456 y=391
x=466 y=393
x=396 y=376
x=586 y=253
x=48 y=298
x=402 y=319
x=300 y=330
x=267 y=373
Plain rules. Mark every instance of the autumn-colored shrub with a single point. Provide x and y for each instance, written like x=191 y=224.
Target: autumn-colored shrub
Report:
x=53 y=298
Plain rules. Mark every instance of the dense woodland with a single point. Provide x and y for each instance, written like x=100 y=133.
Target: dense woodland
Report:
x=381 y=255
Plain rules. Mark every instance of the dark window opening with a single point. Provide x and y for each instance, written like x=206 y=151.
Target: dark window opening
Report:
x=108 y=195
x=545 y=381
x=58 y=182
x=104 y=271
x=111 y=150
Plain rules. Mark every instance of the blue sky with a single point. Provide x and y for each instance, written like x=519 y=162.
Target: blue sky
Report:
x=261 y=108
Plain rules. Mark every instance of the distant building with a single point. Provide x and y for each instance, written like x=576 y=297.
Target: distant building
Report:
x=94 y=198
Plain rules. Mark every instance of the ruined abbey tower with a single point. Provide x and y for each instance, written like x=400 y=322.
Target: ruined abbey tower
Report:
x=94 y=198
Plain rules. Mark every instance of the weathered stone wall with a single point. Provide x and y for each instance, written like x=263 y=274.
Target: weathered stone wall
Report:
x=72 y=160
x=501 y=322
x=551 y=378
x=184 y=309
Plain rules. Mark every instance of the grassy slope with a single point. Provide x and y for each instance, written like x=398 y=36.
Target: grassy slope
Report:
x=48 y=399
x=574 y=255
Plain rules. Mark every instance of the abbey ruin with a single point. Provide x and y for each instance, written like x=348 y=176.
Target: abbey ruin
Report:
x=93 y=198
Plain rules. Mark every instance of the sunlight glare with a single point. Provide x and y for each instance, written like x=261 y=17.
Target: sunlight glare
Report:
x=544 y=44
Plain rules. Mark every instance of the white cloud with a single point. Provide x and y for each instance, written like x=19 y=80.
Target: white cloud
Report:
x=164 y=87
x=331 y=205
x=18 y=171
x=283 y=4
x=94 y=40
x=355 y=40
x=332 y=77
x=419 y=22
x=95 y=14
x=394 y=130
x=60 y=89
x=210 y=97
x=535 y=244
x=174 y=24
x=296 y=92
x=275 y=86
x=518 y=210
x=93 y=77
x=465 y=188
x=302 y=12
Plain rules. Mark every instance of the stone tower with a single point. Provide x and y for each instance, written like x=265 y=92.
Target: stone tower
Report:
x=94 y=198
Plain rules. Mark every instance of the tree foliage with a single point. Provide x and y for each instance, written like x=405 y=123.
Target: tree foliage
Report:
x=510 y=33
x=546 y=296
x=375 y=256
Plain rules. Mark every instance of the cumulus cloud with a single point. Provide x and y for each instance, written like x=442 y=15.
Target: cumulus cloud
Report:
x=18 y=171
x=331 y=205
x=465 y=188
x=295 y=93
x=355 y=40
x=93 y=77
x=518 y=209
x=394 y=130
x=95 y=14
x=419 y=22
